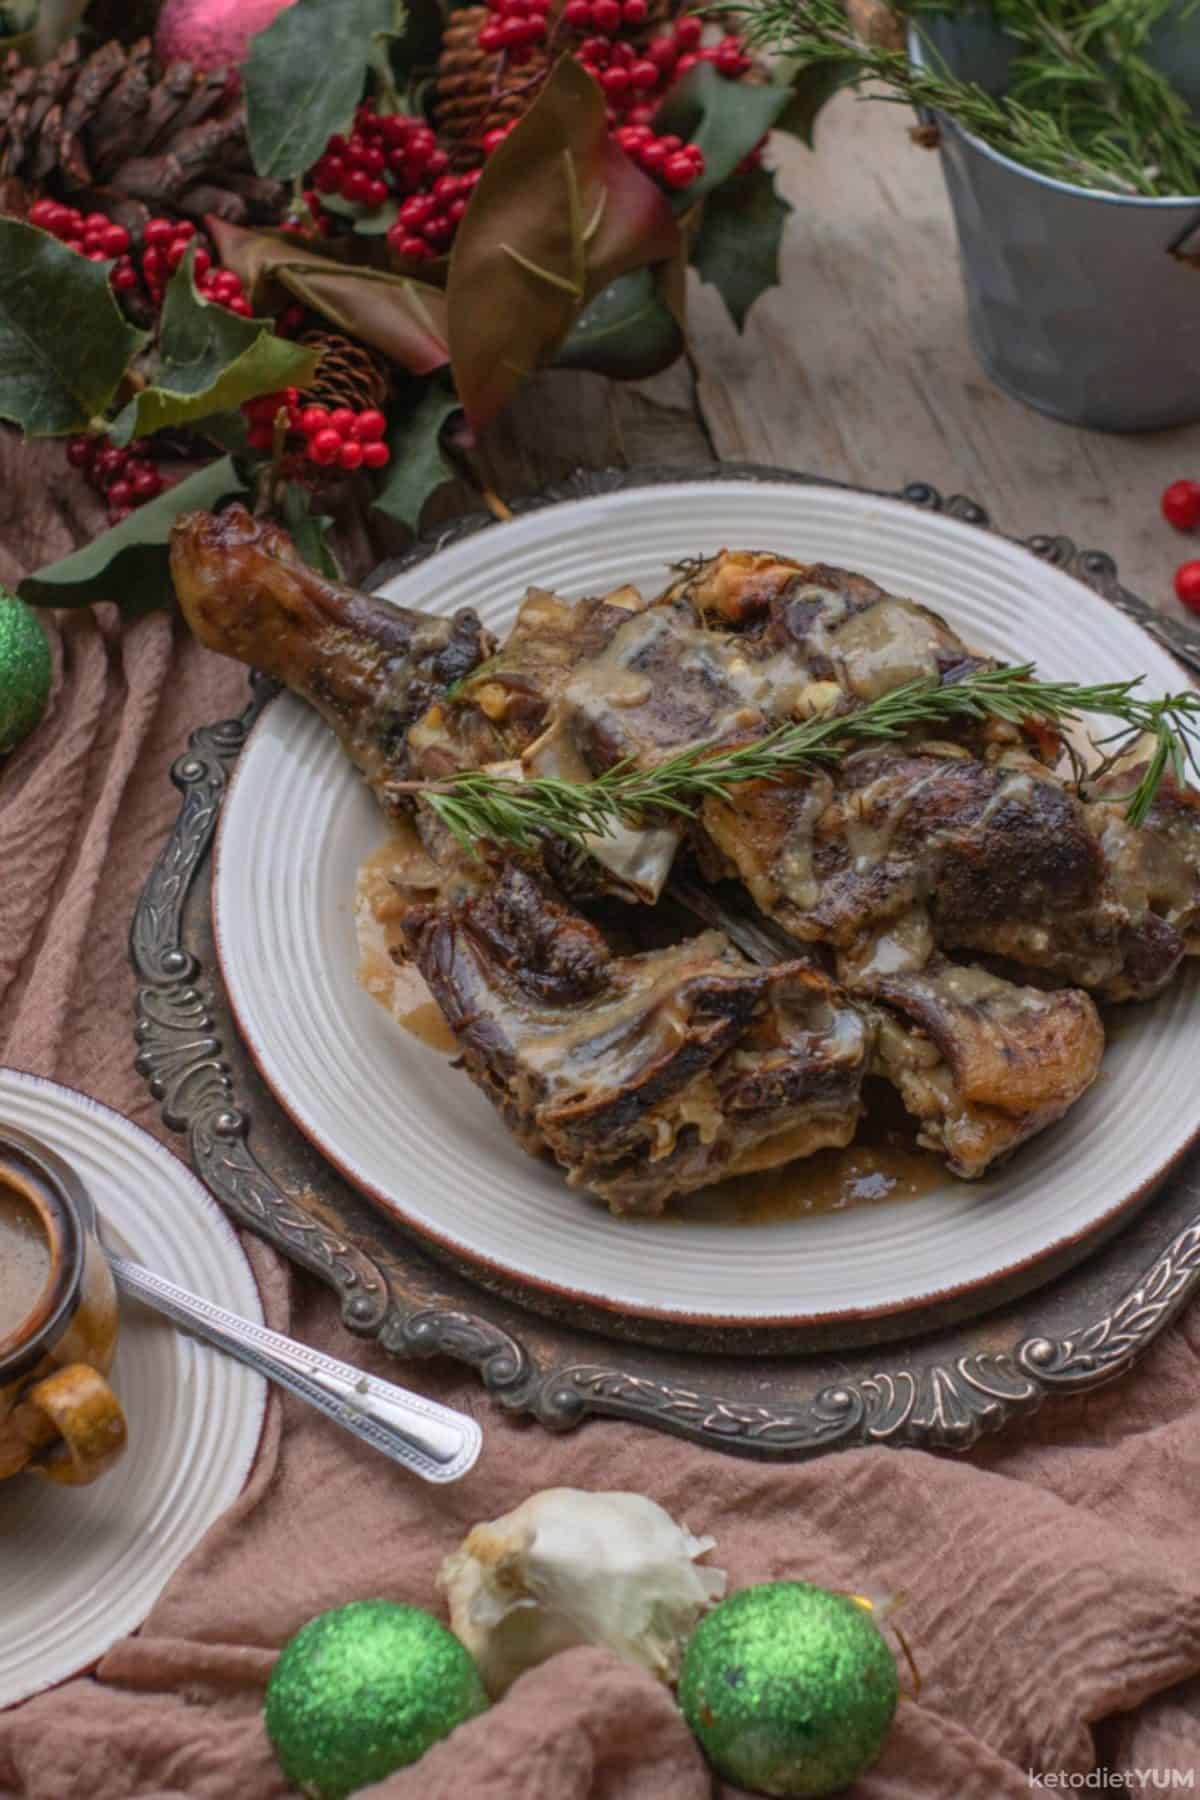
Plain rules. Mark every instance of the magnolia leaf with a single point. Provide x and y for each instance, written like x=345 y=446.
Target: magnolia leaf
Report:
x=309 y=531
x=64 y=343
x=724 y=118
x=304 y=76
x=418 y=465
x=559 y=212
x=402 y=317
x=211 y=361
x=130 y=563
x=628 y=331
x=737 y=247
x=811 y=88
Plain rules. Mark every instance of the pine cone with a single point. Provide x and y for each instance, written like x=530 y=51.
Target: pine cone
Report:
x=110 y=125
x=348 y=374
x=478 y=90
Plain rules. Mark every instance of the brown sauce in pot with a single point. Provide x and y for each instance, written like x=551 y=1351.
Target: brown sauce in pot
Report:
x=25 y=1263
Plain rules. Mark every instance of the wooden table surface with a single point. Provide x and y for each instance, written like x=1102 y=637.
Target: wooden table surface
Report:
x=858 y=367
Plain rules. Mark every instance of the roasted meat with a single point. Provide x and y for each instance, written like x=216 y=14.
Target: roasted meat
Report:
x=643 y=1076
x=369 y=668
x=649 y=1071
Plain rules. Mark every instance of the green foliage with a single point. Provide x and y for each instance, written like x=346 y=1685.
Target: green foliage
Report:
x=129 y=564
x=209 y=361
x=419 y=465
x=628 y=331
x=737 y=245
x=724 y=118
x=305 y=75
x=1085 y=105
x=64 y=344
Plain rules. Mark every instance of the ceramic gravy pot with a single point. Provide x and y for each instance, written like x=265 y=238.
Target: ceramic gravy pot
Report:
x=59 y=1417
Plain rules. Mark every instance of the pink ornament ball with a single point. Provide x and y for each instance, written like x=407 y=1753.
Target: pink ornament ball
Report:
x=211 y=34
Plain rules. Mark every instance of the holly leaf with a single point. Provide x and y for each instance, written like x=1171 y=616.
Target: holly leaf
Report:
x=130 y=564
x=368 y=221
x=724 y=118
x=309 y=531
x=304 y=76
x=64 y=343
x=559 y=212
x=419 y=465
x=403 y=318
x=210 y=361
x=737 y=246
x=628 y=331
x=811 y=88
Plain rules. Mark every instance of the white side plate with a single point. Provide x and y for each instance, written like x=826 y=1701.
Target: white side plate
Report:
x=418 y=1138
x=80 y=1568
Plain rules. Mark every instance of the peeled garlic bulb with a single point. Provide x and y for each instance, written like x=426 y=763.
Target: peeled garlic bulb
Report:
x=568 y=1567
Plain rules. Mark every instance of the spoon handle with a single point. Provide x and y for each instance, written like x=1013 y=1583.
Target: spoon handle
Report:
x=433 y=1441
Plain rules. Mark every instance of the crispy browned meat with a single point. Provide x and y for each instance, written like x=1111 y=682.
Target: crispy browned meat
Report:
x=370 y=668
x=981 y=1063
x=649 y=1074
x=642 y=1076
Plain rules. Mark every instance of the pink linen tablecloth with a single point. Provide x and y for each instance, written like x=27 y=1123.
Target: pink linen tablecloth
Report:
x=1051 y=1581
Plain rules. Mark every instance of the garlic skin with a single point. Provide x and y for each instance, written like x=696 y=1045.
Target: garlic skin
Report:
x=569 y=1567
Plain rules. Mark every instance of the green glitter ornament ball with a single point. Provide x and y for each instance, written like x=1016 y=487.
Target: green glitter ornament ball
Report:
x=789 y=1688
x=364 y=1690
x=24 y=671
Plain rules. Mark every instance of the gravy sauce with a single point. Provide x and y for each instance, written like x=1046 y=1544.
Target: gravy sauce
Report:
x=25 y=1264
x=378 y=910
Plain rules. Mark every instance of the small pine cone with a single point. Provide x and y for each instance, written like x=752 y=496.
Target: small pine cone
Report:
x=348 y=374
x=92 y=128
x=477 y=90
x=877 y=24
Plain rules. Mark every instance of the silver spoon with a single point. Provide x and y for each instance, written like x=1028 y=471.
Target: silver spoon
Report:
x=432 y=1440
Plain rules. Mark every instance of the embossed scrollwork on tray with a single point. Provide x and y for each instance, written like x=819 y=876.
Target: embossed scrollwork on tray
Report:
x=910 y=1399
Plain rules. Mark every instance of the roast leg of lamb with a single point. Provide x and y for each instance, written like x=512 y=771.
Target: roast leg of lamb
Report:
x=371 y=669
x=647 y=1073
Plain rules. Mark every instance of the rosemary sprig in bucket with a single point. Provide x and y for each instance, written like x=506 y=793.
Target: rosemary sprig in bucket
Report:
x=1084 y=105
x=480 y=806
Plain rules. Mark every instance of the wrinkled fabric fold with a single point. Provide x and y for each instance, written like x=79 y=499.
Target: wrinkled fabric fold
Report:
x=1050 y=1582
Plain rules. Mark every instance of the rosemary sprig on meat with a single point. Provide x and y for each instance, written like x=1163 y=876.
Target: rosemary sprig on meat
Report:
x=480 y=806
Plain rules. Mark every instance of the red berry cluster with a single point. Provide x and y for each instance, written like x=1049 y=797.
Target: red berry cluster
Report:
x=1181 y=508
x=516 y=25
x=390 y=156
x=93 y=234
x=165 y=243
x=342 y=438
x=668 y=157
x=385 y=154
x=426 y=223
x=126 y=477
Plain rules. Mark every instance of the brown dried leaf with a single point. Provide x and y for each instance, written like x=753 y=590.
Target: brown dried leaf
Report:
x=559 y=213
x=403 y=318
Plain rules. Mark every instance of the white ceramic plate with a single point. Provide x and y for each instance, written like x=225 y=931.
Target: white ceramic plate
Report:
x=80 y=1568
x=422 y=1141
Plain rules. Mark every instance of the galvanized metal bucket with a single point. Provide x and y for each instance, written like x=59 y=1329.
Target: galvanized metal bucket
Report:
x=1078 y=302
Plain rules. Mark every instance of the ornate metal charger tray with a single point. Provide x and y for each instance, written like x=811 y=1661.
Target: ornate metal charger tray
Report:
x=941 y=1390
